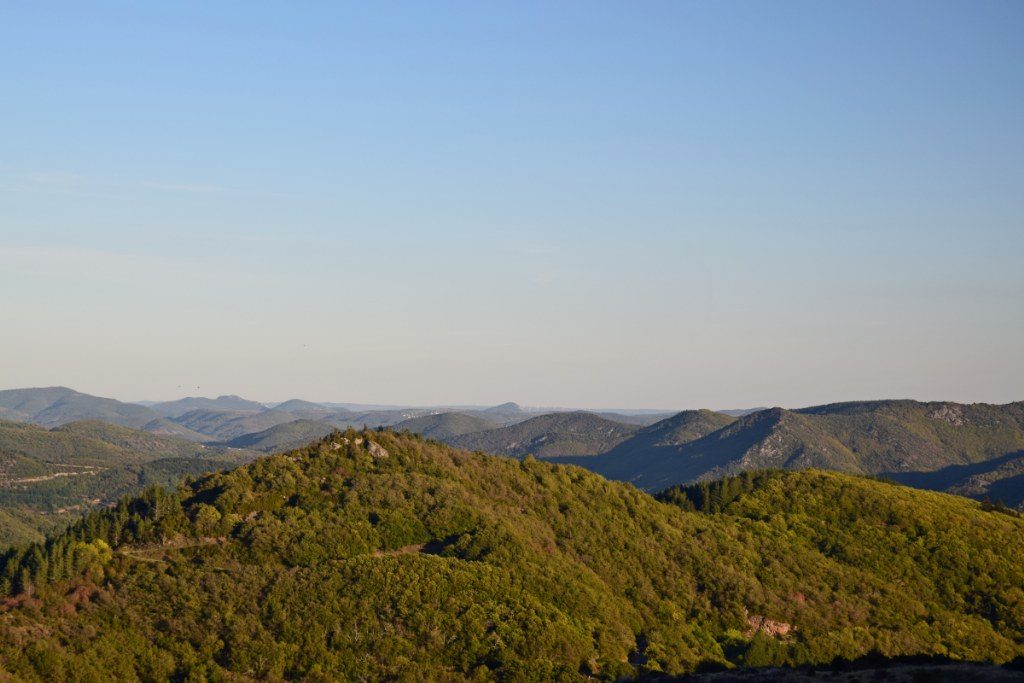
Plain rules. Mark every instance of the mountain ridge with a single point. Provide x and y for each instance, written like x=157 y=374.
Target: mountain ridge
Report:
x=867 y=437
x=574 y=433
x=377 y=555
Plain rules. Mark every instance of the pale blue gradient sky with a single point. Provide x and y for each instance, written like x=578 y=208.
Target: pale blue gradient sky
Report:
x=649 y=204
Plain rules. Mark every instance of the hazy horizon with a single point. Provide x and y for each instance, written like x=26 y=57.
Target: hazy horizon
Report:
x=648 y=206
x=528 y=406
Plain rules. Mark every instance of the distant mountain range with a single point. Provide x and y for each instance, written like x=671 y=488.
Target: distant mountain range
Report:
x=224 y=418
x=975 y=450
x=186 y=405
x=559 y=434
x=443 y=426
x=55 y=406
x=282 y=437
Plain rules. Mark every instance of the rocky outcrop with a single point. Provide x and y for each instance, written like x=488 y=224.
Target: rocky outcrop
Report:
x=770 y=627
x=949 y=413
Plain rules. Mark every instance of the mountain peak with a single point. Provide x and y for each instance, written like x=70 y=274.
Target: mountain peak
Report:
x=509 y=406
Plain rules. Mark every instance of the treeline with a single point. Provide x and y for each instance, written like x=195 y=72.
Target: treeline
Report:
x=85 y=547
x=715 y=496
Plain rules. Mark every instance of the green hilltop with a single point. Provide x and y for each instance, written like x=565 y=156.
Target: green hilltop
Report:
x=375 y=555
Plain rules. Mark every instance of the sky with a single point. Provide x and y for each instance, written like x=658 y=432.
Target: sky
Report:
x=592 y=204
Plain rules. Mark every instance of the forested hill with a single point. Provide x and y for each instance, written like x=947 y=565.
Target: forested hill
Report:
x=556 y=434
x=442 y=426
x=50 y=476
x=975 y=449
x=372 y=555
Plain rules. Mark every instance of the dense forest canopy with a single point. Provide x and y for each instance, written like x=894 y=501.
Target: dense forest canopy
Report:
x=374 y=555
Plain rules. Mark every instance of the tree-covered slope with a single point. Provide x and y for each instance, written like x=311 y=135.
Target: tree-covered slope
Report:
x=283 y=437
x=53 y=406
x=307 y=410
x=442 y=426
x=555 y=434
x=165 y=427
x=224 y=425
x=380 y=556
x=185 y=405
x=679 y=429
x=897 y=438
x=46 y=475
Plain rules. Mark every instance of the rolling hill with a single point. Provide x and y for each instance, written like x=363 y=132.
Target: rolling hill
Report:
x=380 y=556
x=308 y=410
x=676 y=430
x=443 y=426
x=639 y=419
x=224 y=425
x=377 y=418
x=165 y=427
x=576 y=433
x=53 y=406
x=505 y=413
x=48 y=476
x=188 y=404
x=285 y=436
x=900 y=439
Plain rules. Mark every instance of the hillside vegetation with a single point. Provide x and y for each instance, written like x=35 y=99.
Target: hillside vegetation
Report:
x=577 y=433
x=53 y=406
x=224 y=425
x=949 y=442
x=186 y=405
x=49 y=476
x=283 y=437
x=442 y=426
x=372 y=555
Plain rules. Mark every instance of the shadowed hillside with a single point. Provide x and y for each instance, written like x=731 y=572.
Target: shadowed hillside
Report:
x=999 y=479
x=902 y=439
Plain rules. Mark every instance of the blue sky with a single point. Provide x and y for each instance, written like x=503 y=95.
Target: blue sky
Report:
x=593 y=204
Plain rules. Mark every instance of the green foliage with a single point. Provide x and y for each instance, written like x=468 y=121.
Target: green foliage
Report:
x=339 y=561
x=973 y=450
x=48 y=476
x=715 y=496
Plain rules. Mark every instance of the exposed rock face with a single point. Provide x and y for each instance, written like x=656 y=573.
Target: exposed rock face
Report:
x=951 y=414
x=775 y=629
x=376 y=450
